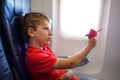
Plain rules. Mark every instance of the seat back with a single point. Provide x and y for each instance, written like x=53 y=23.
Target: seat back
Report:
x=5 y=70
x=11 y=37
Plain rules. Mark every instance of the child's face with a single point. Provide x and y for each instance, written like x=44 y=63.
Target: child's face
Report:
x=42 y=35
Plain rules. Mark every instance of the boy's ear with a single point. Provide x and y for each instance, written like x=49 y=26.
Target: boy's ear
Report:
x=31 y=32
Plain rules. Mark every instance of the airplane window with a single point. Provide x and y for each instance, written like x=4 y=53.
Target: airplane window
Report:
x=77 y=17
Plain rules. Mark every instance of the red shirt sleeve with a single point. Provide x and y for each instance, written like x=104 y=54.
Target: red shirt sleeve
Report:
x=76 y=78
x=40 y=61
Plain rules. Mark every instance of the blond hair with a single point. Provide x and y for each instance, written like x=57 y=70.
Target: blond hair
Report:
x=32 y=20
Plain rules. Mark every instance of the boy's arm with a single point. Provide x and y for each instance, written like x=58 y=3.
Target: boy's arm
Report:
x=75 y=59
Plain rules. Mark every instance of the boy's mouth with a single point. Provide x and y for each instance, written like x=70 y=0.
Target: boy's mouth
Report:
x=49 y=38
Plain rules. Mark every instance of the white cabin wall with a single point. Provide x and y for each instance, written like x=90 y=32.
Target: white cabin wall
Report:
x=43 y=6
x=37 y=5
x=112 y=57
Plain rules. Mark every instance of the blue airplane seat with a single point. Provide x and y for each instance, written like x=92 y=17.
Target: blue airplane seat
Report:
x=5 y=70
x=13 y=43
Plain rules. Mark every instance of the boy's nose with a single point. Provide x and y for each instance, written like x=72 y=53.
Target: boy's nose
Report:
x=50 y=32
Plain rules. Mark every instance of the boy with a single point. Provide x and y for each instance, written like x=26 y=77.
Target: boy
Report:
x=41 y=62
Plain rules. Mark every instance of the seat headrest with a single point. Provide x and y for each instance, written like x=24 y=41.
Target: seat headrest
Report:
x=10 y=8
x=22 y=6
x=7 y=9
x=18 y=7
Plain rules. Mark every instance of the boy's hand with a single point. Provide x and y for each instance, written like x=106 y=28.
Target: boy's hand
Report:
x=68 y=75
x=92 y=42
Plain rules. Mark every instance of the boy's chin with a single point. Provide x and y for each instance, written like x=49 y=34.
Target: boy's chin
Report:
x=47 y=43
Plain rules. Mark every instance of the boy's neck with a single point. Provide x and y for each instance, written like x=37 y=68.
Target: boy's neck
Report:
x=34 y=44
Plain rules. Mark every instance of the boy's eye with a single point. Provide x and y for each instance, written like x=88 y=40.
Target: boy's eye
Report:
x=46 y=28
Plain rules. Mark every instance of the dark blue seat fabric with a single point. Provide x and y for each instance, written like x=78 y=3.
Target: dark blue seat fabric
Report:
x=5 y=70
x=13 y=43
